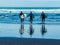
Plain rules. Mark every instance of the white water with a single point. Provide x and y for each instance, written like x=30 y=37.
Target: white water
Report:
x=28 y=10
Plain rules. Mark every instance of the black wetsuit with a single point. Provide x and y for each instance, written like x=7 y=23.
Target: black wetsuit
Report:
x=31 y=17
x=22 y=19
x=43 y=16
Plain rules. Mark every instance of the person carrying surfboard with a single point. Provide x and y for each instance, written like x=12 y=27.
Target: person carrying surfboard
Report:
x=21 y=16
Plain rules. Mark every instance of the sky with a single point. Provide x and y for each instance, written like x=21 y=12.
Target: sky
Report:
x=30 y=3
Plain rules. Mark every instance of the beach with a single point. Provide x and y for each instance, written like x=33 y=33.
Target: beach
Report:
x=27 y=41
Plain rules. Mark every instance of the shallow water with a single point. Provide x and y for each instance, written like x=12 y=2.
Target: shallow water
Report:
x=13 y=30
x=13 y=18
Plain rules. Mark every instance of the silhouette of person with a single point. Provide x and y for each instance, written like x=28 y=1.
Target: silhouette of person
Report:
x=43 y=30
x=31 y=30
x=10 y=12
x=31 y=16
x=43 y=17
x=22 y=29
x=21 y=16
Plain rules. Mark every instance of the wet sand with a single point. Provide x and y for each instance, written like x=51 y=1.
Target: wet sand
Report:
x=27 y=41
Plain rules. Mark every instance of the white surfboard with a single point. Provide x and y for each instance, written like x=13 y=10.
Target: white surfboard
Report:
x=23 y=16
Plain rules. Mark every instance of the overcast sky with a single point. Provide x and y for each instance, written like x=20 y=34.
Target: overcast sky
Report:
x=30 y=3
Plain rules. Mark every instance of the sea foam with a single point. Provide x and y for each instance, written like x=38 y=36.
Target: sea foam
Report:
x=28 y=10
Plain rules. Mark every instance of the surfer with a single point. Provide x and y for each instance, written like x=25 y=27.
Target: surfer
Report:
x=31 y=16
x=21 y=16
x=43 y=17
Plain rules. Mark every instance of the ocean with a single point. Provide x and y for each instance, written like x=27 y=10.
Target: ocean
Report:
x=52 y=13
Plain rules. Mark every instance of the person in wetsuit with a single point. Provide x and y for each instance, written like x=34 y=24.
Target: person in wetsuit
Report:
x=21 y=16
x=43 y=17
x=31 y=16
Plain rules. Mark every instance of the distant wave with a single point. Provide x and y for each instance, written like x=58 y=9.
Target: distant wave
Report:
x=28 y=10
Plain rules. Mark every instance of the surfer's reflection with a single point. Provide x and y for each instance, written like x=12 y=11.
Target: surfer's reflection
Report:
x=31 y=30
x=43 y=29
x=21 y=29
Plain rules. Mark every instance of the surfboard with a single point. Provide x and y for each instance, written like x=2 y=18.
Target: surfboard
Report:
x=23 y=16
